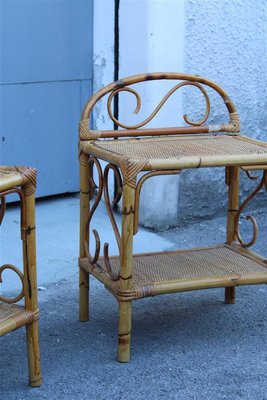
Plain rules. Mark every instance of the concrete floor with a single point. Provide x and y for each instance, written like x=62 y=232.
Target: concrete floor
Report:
x=184 y=346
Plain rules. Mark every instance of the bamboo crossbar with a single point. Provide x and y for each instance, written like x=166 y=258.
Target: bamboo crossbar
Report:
x=211 y=161
x=8 y=179
x=108 y=134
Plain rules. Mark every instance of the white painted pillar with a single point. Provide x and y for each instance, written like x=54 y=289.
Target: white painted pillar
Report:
x=152 y=40
x=103 y=56
x=151 y=34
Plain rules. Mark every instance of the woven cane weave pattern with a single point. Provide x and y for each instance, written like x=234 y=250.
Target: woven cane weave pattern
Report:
x=17 y=314
x=164 y=148
x=191 y=264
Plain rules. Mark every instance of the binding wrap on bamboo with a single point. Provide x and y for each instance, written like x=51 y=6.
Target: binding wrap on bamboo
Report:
x=28 y=179
x=103 y=186
x=138 y=293
x=83 y=158
x=130 y=169
x=128 y=130
x=86 y=133
x=232 y=127
x=34 y=316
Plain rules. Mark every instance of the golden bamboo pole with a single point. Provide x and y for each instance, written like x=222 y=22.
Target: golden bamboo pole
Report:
x=232 y=180
x=84 y=234
x=125 y=308
x=9 y=180
x=30 y=285
x=208 y=161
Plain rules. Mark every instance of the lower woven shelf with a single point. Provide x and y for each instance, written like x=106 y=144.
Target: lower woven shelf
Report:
x=184 y=270
x=13 y=316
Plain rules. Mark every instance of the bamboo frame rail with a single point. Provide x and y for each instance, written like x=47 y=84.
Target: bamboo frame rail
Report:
x=139 y=154
x=123 y=85
x=22 y=181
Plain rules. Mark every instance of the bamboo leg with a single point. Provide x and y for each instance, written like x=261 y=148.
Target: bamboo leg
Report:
x=84 y=233
x=30 y=282
x=229 y=295
x=125 y=325
x=232 y=180
x=35 y=376
x=125 y=315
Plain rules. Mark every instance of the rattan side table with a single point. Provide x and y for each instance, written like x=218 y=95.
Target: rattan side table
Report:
x=132 y=149
x=22 y=181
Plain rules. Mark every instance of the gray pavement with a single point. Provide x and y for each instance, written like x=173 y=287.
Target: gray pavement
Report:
x=184 y=346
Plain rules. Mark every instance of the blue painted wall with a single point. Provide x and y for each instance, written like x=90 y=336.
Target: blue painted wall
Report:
x=45 y=79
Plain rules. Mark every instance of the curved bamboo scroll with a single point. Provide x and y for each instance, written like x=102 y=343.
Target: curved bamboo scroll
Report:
x=20 y=275
x=158 y=107
x=94 y=161
x=115 y=200
x=103 y=186
x=138 y=191
x=231 y=126
x=263 y=183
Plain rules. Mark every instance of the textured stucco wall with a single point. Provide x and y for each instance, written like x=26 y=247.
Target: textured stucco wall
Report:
x=225 y=40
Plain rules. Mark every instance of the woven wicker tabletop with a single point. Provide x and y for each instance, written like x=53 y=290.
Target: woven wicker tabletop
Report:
x=215 y=265
x=185 y=151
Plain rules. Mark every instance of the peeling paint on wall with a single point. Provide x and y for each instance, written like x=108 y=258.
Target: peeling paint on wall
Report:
x=99 y=65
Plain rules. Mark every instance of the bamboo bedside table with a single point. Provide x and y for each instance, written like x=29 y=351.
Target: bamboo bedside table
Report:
x=163 y=151
x=22 y=181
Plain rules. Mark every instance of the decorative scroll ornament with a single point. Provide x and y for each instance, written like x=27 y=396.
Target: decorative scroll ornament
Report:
x=116 y=198
x=159 y=106
x=93 y=161
x=103 y=185
x=263 y=183
x=20 y=275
